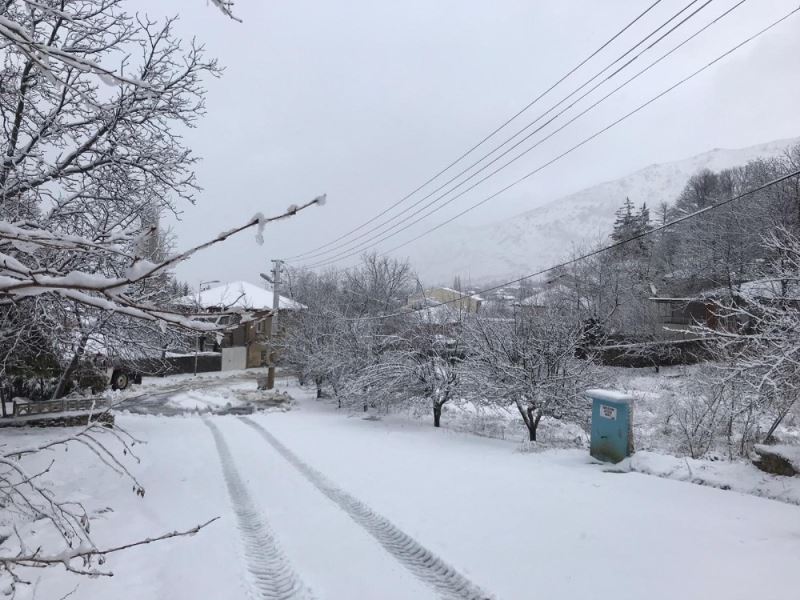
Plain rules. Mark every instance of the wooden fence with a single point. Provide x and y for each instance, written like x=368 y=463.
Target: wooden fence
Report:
x=23 y=409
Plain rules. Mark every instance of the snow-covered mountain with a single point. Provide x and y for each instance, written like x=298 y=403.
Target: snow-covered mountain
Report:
x=541 y=236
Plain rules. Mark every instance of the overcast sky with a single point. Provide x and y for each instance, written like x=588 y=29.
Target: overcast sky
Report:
x=364 y=100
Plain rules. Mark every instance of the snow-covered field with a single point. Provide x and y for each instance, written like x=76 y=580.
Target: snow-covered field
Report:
x=656 y=439
x=344 y=507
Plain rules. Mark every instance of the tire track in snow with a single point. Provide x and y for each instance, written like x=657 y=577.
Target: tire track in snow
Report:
x=422 y=563
x=272 y=575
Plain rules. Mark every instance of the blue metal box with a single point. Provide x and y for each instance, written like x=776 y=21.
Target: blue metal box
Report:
x=612 y=425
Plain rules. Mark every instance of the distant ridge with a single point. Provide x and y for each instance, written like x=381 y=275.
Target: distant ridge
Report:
x=541 y=236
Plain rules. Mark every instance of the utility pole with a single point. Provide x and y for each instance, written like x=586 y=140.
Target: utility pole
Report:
x=197 y=336
x=277 y=266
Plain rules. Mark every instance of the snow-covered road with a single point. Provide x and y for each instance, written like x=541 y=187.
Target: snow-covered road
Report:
x=421 y=562
x=316 y=504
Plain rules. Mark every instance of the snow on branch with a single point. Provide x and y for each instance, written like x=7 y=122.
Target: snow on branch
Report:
x=24 y=494
x=90 y=554
x=226 y=6
x=18 y=280
x=43 y=54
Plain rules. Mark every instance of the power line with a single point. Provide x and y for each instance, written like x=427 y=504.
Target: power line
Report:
x=366 y=244
x=373 y=235
x=353 y=242
x=601 y=250
x=491 y=134
x=557 y=158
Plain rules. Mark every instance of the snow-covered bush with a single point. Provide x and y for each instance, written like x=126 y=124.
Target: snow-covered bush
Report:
x=756 y=343
x=698 y=420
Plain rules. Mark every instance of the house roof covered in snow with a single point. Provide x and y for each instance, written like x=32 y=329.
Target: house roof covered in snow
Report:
x=240 y=294
x=475 y=297
x=551 y=295
x=767 y=289
x=438 y=314
x=763 y=289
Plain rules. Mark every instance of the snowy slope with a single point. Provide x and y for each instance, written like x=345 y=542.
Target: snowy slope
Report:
x=540 y=237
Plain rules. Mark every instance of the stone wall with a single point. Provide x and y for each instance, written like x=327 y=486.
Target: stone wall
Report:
x=58 y=420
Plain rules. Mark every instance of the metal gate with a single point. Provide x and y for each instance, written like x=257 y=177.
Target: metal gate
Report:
x=234 y=358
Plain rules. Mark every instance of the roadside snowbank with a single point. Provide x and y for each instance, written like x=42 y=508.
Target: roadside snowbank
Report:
x=738 y=476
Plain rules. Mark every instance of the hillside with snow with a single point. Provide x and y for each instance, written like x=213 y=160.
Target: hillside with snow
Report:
x=541 y=236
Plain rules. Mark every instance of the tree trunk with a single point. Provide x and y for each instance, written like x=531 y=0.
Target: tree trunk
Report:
x=532 y=422
x=67 y=373
x=437 y=414
x=781 y=416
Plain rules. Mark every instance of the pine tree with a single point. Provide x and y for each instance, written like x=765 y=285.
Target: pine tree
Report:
x=643 y=218
x=629 y=224
x=625 y=223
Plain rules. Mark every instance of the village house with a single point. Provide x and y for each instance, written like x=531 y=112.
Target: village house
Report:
x=678 y=316
x=245 y=345
x=458 y=301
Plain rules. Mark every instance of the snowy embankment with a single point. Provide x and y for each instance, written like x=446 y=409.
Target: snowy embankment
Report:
x=737 y=476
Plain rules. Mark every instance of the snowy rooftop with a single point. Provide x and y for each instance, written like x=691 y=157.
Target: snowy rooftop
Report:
x=465 y=294
x=439 y=314
x=768 y=289
x=552 y=295
x=610 y=396
x=240 y=294
x=765 y=289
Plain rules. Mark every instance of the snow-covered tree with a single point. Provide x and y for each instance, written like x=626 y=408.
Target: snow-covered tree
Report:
x=377 y=285
x=90 y=162
x=756 y=338
x=343 y=331
x=529 y=361
x=92 y=101
x=313 y=343
x=415 y=366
